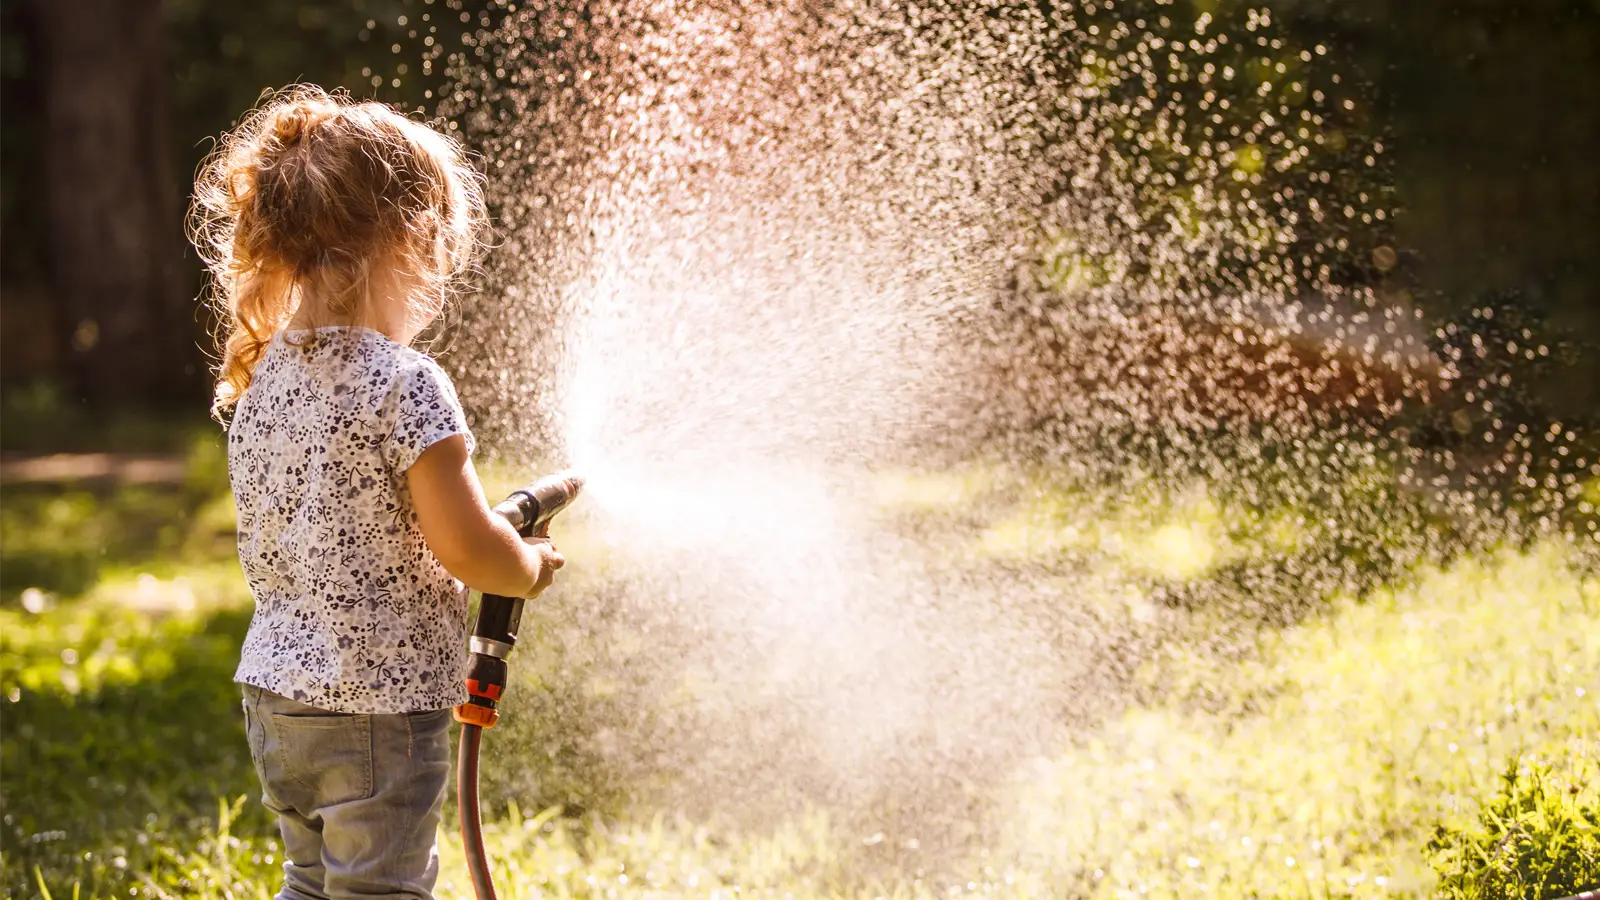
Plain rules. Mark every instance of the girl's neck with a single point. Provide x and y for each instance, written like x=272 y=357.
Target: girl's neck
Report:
x=387 y=309
x=388 y=316
x=308 y=320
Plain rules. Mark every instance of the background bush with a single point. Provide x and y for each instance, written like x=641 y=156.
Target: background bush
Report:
x=1537 y=839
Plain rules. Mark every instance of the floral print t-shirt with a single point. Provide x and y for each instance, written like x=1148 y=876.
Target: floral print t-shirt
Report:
x=353 y=612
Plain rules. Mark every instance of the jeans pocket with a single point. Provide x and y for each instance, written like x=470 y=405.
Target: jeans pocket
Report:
x=254 y=729
x=250 y=734
x=426 y=731
x=329 y=757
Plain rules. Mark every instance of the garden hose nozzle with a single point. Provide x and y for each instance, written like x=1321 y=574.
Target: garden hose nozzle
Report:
x=494 y=634
x=530 y=509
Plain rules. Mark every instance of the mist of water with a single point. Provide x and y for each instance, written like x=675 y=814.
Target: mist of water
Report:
x=762 y=262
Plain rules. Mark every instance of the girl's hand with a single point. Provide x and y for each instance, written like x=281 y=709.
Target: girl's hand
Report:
x=550 y=560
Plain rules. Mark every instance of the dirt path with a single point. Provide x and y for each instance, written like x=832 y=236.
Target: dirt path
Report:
x=118 y=468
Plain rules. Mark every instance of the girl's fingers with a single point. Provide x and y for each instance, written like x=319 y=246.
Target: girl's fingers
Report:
x=556 y=560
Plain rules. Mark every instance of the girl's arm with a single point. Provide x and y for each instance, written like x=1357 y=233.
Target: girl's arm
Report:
x=475 y=545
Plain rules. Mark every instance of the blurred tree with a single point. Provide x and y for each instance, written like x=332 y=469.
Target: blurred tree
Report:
x=111 y=204
x=1487 y=109
x=109 y=108
x=25 y=346
x=1493 y=118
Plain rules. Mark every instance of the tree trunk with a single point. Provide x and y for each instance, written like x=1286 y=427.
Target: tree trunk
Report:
x=114 y=227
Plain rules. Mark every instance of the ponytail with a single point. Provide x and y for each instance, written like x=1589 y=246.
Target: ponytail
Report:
x=303 y=198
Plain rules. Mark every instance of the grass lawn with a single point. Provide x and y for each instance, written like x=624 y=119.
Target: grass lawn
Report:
x=1438 y=737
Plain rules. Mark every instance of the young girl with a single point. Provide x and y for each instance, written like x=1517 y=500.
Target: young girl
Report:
x=334 y=232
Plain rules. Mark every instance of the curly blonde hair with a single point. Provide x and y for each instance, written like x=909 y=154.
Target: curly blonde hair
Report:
x=306 y=198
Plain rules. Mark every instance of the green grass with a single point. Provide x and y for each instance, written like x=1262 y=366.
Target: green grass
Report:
x=66 y=538
x=1370 y=743
x=1322 y=766
x=1539 y=837
x=38 y=418
x=121 y=728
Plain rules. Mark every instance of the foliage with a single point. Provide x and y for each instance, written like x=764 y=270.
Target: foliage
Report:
x=1319 y=764
x=38 y=418
x=1536 y=839
x=121 y=722
x=122 y=727
x=1259 y=111
x=62 y=539
x=226 y=54
x=1341 y=742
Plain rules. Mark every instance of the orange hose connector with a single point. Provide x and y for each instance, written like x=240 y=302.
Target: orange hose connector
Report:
x=473 y=714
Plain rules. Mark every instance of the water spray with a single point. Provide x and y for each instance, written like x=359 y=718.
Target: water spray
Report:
x=494 y=636
x=1134 y=353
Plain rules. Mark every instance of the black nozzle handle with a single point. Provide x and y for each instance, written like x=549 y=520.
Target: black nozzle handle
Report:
x=521 y=509
x=530 y=509
x=494 y=633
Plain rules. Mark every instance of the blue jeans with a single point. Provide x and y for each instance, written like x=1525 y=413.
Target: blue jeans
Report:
x=358 y=797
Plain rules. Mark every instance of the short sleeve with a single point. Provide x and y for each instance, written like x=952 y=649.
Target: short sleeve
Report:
x=425 y=410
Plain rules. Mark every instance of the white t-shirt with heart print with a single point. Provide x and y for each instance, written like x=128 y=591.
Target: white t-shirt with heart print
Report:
x=353 y=613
